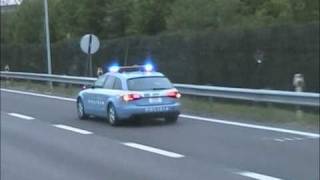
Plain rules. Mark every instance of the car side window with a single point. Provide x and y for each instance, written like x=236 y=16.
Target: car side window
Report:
x=117 y=84
x=109 y=82
x=100 y=81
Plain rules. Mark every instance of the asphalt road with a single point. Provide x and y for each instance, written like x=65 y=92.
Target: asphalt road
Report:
x=41 y=138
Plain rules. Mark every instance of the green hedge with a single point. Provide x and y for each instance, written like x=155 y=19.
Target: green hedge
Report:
x=224 y=58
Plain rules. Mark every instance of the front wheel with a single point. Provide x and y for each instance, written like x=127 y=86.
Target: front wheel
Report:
x=80 y=110
x=112 y=115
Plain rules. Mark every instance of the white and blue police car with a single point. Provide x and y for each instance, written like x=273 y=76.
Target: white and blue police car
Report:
x=127 y=92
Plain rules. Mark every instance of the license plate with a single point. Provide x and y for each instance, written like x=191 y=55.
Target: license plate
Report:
x=155 y=100
x=157 y=109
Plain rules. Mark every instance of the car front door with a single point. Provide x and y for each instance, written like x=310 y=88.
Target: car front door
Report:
x=102 y=96
x=92 y=97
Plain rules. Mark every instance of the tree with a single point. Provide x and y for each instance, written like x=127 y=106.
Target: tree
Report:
x=90 y=15
x=202 y=14
x=268 y=12
x=5 y=32
x=77 y=17
x=116 y=18
x=66 y=16
x=305 y=10
x=148 y=16
x=27 y=23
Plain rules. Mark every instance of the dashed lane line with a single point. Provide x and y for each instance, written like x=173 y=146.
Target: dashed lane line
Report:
x=21 y=116
x=153 y=150
x=279 y=140
x=291 y=139
x=257 y=176
x=73 y=129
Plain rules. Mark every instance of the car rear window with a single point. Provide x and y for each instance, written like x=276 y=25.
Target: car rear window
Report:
x=149 y=83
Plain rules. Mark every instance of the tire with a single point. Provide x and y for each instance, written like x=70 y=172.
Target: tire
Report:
x=80 y=110
x=112 y=115
x=172 y=119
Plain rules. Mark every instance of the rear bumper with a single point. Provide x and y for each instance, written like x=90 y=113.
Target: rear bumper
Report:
x=128 y=112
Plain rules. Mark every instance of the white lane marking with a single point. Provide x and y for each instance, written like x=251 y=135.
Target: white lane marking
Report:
x=279 y=140
x=21 y=116
x=297 y=138
x=153 y=150
x=257 y=176
x=289 y=139
x=313 y=135
x=38 y=95
x=73 y=129
x=308 y=134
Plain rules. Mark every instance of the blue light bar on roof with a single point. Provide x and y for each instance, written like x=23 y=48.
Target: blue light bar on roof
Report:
x=114 y=68
x=148 y=67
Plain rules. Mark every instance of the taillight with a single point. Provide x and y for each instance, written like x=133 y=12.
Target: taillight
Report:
x=174 y=94
x=131 y=97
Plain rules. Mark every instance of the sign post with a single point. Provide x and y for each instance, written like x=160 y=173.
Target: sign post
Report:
x=89 y=44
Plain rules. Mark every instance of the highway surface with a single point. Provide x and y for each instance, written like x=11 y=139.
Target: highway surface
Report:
x=42 y=139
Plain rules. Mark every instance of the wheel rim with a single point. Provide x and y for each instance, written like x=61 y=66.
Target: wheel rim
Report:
x=111 y=115
x=80 y=109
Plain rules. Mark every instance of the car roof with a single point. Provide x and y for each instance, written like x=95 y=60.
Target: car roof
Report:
x=135 y=74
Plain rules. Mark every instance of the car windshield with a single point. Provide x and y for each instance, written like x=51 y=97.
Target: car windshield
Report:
x=149 y=83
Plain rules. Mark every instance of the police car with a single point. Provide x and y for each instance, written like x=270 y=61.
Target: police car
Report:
x=128 y=92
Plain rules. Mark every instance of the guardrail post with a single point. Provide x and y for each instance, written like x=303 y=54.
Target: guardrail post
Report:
x=7 y=69
x=50 y=85
x=298 y=83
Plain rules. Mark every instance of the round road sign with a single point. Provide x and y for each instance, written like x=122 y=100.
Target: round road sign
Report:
x=89 y=43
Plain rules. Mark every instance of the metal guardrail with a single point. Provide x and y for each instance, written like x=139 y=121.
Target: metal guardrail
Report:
x=256 y=95
x=46 y=77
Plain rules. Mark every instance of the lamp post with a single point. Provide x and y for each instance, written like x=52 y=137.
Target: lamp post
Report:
x=47 y=36
x=47 y=39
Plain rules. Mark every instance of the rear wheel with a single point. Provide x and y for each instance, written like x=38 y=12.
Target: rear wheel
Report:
x=172 y=119
x=112 y=115
x=80 y=110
